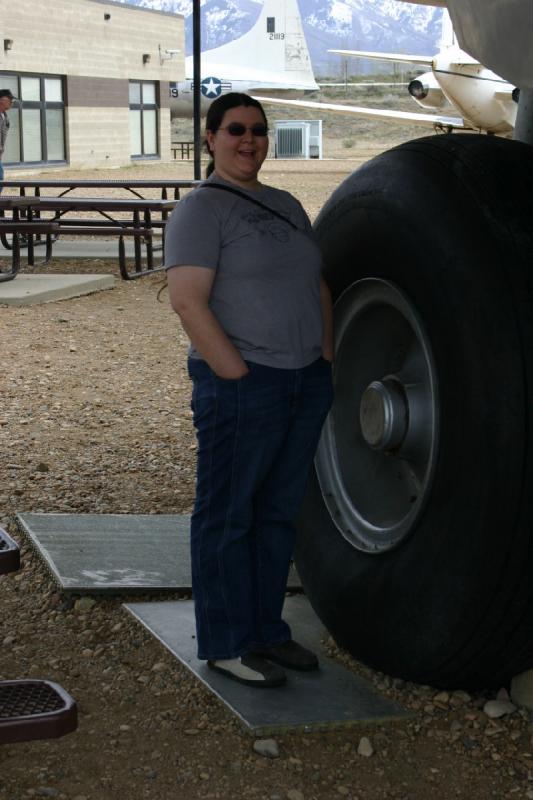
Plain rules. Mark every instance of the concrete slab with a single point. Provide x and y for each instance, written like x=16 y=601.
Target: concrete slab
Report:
x=93 y=553
x=331 y=697
x=28 y=290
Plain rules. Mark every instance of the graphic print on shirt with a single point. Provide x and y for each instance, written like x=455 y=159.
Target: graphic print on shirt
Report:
x=266 y=224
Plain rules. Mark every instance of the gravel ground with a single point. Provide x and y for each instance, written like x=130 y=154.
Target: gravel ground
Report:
x=95 y=418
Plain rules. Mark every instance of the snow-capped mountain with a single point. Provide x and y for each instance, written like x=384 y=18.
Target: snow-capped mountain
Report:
x=383 y=25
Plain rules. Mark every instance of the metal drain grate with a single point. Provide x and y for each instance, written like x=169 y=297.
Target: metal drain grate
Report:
x=35 y=709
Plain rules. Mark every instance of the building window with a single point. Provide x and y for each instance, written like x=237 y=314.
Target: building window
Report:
x=37 y=119
x=143 y=119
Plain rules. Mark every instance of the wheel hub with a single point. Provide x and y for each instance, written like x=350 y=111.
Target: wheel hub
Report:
x=383 y=414
x=375 y=467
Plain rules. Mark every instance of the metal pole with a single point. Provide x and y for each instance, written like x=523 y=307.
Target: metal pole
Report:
x=196 y=55
x=523 y=130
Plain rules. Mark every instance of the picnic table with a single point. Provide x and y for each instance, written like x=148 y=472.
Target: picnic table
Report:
x=184 y=148
x=123 y=217
x=133 y=186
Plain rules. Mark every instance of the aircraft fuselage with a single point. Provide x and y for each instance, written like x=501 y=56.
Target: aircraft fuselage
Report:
x=483 y=98
x=181 y=92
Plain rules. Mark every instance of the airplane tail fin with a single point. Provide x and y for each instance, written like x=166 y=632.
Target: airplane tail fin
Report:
x=448 y=38
x=274 y=46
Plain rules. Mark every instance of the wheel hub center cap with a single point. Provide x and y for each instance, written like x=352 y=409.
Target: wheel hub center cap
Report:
x=383 y=414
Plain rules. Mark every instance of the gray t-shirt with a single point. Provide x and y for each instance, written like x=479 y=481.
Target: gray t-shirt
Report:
x=266 y=292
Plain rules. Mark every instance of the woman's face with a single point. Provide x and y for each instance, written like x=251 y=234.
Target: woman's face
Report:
x=238 y=159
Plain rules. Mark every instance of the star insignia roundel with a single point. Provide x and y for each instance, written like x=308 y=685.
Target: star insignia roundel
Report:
x=211 y=87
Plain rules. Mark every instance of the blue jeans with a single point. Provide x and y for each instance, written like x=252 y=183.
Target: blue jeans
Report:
x=257 y=438
x=1 y=176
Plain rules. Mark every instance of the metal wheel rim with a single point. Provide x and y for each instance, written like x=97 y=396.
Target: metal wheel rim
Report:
x=377 y=454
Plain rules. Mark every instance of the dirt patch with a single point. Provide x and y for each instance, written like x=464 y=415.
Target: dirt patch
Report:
x=95 y=418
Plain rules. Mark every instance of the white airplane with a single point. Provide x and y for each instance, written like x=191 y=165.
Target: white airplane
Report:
x=271 y=57
x=486 y=102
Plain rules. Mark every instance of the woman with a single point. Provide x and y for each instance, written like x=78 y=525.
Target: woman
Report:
x=244 y=275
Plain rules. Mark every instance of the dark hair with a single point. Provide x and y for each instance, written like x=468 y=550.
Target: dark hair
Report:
x=215 y=115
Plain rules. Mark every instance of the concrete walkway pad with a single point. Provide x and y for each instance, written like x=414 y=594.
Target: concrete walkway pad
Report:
x=329 y=697
x=110 y=552
x=28 y=290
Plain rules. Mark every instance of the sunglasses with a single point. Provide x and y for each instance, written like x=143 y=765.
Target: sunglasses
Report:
x=238 y=129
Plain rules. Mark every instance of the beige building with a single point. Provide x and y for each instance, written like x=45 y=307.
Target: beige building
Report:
x=92 y=78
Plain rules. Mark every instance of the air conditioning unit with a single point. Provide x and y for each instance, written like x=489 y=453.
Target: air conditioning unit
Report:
x=298 y=138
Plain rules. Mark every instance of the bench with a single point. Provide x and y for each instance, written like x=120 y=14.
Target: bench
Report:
x=28 y=230
x=31 y=709
x=141 y=233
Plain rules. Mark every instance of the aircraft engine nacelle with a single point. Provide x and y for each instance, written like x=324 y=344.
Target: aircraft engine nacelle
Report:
x=426 y=91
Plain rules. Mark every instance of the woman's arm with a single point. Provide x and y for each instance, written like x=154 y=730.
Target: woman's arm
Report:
x=328 y=351
x=189 y=289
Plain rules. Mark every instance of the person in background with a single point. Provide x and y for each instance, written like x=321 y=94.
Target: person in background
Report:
x=244 y=275
x=6 y=101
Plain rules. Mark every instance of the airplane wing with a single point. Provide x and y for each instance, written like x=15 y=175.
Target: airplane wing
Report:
x=424 y=61
x=364 y=85
x=425 y=120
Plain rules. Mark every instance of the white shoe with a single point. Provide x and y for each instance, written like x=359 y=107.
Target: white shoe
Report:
x=250 y=670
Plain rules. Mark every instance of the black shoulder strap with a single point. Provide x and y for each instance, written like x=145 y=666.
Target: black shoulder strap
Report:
x=251 y=199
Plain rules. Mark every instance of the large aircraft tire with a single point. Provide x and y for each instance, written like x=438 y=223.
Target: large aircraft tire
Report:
x=415 y=542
